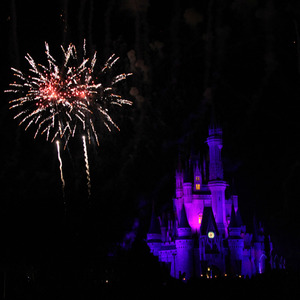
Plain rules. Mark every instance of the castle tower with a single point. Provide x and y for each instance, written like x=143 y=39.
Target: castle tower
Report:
x=179 y=179
x=184 y=247
x=194 y=238
x=188 y=184
x=154 y=235
x=197 y=177
x=216 y=183
x=259 y=247
x=215 y=144
x=235 y=243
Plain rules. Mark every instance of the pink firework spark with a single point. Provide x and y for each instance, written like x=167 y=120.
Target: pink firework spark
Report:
x=61 y=99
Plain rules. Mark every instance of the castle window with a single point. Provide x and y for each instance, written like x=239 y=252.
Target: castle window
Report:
x=200 y=219
x=198 y=186
x=197 y=178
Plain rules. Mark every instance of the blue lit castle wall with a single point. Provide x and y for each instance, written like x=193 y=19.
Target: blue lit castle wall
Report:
x=206 y=236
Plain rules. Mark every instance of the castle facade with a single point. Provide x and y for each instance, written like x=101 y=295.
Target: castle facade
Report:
x=206 y=235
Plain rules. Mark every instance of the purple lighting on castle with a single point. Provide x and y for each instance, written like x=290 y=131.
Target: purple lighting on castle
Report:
x=206 y=235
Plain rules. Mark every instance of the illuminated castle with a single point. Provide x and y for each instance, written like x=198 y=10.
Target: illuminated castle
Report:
x=206 y=236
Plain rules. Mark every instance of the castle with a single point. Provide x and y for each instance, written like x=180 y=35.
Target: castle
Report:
x=206 y=235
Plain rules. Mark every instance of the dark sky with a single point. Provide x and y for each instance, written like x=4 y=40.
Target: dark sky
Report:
x=241 y=57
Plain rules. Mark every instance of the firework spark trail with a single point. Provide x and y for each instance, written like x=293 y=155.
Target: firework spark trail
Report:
x=87 y=167
x=61 y=170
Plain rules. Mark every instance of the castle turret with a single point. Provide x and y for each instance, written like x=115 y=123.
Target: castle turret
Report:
x=216 y=183
x=163 y=228
x=179 y=179
x=259 y=247
x=235 y=243
x=234 y=228
x=197 y=177
x=203 y=234
x=215 y=145
x=154 y=235
x=188 y=184
x=184 y=247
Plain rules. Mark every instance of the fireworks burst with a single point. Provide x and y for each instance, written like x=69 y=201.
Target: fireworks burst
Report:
x=63 y=99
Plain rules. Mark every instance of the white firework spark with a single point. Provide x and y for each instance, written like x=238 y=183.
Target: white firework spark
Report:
x=61 y=170
x=87 y=167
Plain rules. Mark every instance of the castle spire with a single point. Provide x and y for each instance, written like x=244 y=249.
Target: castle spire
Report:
x=154 y=235
x=235 y=243
x=197 y=176
x=154 y=224
x=216 y=183
x=234 y=228
x=239 y=218
x=215 y=144
x=179 y=175
x=184 y=247
x=233 y=220
x=183 y=222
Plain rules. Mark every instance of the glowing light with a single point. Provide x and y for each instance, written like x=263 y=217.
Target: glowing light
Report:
x=211 y=235
x=198 y=186
x=200 y=219
x=60 y=99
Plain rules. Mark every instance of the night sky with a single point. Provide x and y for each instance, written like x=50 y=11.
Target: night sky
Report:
x=240 y=58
